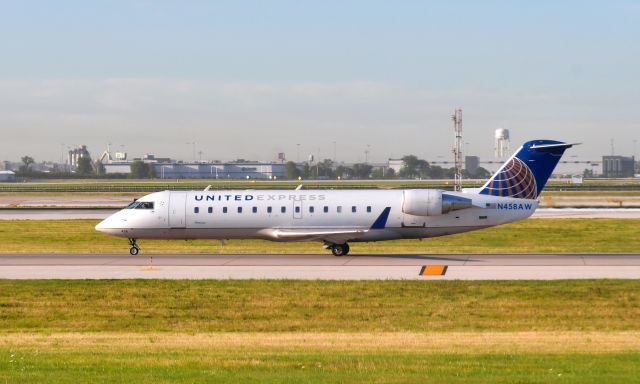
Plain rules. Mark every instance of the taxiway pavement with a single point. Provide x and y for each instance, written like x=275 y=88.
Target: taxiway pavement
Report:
x=319 y=266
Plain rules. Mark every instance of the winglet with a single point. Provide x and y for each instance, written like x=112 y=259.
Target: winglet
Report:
x=381 y=221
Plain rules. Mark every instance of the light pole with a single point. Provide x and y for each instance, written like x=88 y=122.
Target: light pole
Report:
x=298 y=157
x=366 y=154
x=212 y=167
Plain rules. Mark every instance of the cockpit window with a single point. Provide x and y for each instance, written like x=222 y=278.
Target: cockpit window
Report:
x=145 y=205
x=140 y=205
x=133 y=205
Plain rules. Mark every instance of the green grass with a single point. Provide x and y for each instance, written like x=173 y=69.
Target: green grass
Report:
x=532 y=235
x=318 y=306
x=189 y=365
x=581 y=331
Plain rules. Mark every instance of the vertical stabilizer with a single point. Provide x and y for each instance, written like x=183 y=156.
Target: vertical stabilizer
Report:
x=525 y=174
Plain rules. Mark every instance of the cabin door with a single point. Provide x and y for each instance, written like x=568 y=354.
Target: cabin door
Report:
x=177 y=209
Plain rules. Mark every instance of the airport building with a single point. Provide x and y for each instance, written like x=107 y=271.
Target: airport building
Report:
x=7 y=176
x=618 y=166
x=180 y=170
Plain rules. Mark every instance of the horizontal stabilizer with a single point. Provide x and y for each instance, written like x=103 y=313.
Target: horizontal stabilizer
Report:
x=549 y=146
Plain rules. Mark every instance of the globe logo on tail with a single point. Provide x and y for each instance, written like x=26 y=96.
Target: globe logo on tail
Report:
x=515 y=179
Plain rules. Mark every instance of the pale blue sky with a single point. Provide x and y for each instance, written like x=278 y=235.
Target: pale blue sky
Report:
x=250 y=79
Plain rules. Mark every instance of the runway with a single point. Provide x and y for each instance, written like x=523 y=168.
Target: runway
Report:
x=319 y=266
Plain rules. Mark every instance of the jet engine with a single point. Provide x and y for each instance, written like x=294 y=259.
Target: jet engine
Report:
x=432 y=202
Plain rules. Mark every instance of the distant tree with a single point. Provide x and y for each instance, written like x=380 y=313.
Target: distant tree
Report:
x=306 y=171
x=362 y=170
x=482 y=173
x=479 y=173
x=84 y=167
x=413 y=167
x=390 y=173
x=325 y=168
x=587 y=173
x=25 y=169
x=377 y=173
x=343 y=172
x=100 y=169
x=27 y=160
x=151 y=171
x=437 y=172
x=142 y=170
x=291 y=170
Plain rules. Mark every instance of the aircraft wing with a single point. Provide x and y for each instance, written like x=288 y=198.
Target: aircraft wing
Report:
x=329 y=235
x=336 y=236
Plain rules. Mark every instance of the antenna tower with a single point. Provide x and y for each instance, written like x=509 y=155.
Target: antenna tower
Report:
x=457 y=149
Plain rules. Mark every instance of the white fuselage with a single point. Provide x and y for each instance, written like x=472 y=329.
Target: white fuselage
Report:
x=304 y=215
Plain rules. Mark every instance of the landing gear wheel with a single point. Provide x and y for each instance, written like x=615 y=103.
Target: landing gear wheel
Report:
x=340 y=249
x=134 y=250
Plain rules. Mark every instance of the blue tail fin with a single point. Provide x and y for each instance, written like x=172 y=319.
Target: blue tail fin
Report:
x=527 y=171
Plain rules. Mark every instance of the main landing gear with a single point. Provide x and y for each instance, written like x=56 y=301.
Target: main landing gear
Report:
x=339 y=249
x=134 y=247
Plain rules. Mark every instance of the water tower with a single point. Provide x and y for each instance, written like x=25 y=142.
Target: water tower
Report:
x=501 y=146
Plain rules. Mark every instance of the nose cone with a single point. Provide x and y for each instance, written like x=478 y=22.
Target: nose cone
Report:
x=101 y=226
x=111 y=225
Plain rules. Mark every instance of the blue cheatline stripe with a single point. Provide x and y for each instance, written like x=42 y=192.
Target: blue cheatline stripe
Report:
x=381 y=221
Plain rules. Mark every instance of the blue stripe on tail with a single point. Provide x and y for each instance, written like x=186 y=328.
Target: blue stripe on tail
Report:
x=525 y=174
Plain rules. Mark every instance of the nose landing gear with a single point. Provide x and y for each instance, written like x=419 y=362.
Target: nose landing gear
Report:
x=134 y=247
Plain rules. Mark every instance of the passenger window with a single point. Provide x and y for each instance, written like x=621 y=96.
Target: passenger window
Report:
x=254 y=209
x=239 y=209
x=353 y=209
x=310 y=209
x=368 y=209
x=326 y=209
x=210 y=210
x=297 y=209
x=224 y=209
x=196 y=210
x=283 y=209
x=269 y=209
x=339 y=209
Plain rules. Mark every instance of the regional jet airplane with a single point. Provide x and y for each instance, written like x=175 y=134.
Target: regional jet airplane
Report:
x=337 y=217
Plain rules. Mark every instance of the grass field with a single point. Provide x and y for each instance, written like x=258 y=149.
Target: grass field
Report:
x=320 y=331
x=532 y=235
x=281 y=331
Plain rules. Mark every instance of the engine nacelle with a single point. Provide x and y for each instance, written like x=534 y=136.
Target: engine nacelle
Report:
x=432 y=202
